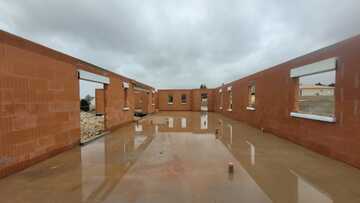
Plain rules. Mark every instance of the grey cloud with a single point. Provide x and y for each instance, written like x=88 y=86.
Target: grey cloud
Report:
x=183 y=43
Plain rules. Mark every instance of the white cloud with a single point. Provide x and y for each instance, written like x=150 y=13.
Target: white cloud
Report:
x=180 y=44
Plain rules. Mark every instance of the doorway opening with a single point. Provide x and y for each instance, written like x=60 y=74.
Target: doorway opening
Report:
x=204 y=102
x=142 y=102
x=92 y=105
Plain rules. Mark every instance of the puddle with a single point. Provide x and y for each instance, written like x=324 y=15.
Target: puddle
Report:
x=184 y=157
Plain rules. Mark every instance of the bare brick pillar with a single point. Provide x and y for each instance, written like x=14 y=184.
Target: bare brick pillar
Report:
x=100 y=101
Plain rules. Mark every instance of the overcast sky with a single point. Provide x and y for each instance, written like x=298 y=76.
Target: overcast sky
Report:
x=180 y=44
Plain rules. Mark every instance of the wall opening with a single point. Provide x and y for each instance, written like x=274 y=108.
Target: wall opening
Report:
x=92 y=109
x=315 y=90
x=204 y=102
x=221 y=99
x=183 y=99
x=92 y=105
x=316 y=94
x=230 y=95
x=153 y=99
x=170 y=99
x=139 y=102
x=142 y=101
x=251 y=97
x=126 y=92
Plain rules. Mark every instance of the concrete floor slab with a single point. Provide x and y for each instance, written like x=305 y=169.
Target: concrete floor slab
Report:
x=178 y=157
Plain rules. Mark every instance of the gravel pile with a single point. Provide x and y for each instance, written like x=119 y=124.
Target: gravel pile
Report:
x=90 y=124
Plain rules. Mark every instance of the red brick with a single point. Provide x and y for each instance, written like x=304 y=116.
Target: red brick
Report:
x=100 y=101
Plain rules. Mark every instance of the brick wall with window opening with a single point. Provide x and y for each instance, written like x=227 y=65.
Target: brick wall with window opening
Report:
x=183 y=99
x=221 y=99
x=126 y=102
x=252 y=96
x=204 y=99
x=230 y=107
x=315 y=91
x=170 y=99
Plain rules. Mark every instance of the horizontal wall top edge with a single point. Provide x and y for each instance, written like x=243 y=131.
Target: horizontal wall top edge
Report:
x=23 y=43
x=314 y=68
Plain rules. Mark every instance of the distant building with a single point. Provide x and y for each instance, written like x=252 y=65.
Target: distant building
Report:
x=316 y=90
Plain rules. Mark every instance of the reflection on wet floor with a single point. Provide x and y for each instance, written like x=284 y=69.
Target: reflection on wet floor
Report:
x=252 y=152
x=183 y=157
x=309 y=193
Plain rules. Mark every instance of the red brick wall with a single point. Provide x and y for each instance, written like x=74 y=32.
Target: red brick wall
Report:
x=193 y=99
x=152 y=102
x=115 y=115
x=100 y=101
x=275 y=100
x=156 y=101
x=39 y=102
x=143 y=100
x=176 y=106
x=217 y=103
x=138 y=99
x=147 y=102
x=196 y=102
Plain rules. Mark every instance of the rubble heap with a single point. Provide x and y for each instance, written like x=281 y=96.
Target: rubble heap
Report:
x=90 y=124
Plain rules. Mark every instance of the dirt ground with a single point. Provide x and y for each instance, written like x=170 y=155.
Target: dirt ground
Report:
x=319 y=105
x=90 y=124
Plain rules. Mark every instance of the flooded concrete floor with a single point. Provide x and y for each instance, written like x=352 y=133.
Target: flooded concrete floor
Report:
x=176 y=157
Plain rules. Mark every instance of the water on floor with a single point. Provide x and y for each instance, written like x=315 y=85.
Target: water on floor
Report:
x=184 y=157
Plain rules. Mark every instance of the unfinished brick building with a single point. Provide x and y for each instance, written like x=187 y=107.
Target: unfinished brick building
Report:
x=39 y=101
x=275 y=109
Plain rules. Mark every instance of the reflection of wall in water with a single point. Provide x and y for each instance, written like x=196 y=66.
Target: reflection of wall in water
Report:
x=204 y=121
x=171 y=122
x=310 y=193
x=183 y=122
x=196 y=123
x=89 y=154
x=175 y=124
x=252 y=152
x=244 y=150
x=108 y=152
x=139 y=137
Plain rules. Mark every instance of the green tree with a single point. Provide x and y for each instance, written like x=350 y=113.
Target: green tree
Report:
x=88 y=98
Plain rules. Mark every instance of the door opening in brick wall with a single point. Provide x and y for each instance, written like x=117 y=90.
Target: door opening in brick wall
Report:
x=92 y=109
x=204 y=102
x=143 y=101
x=139 y=101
